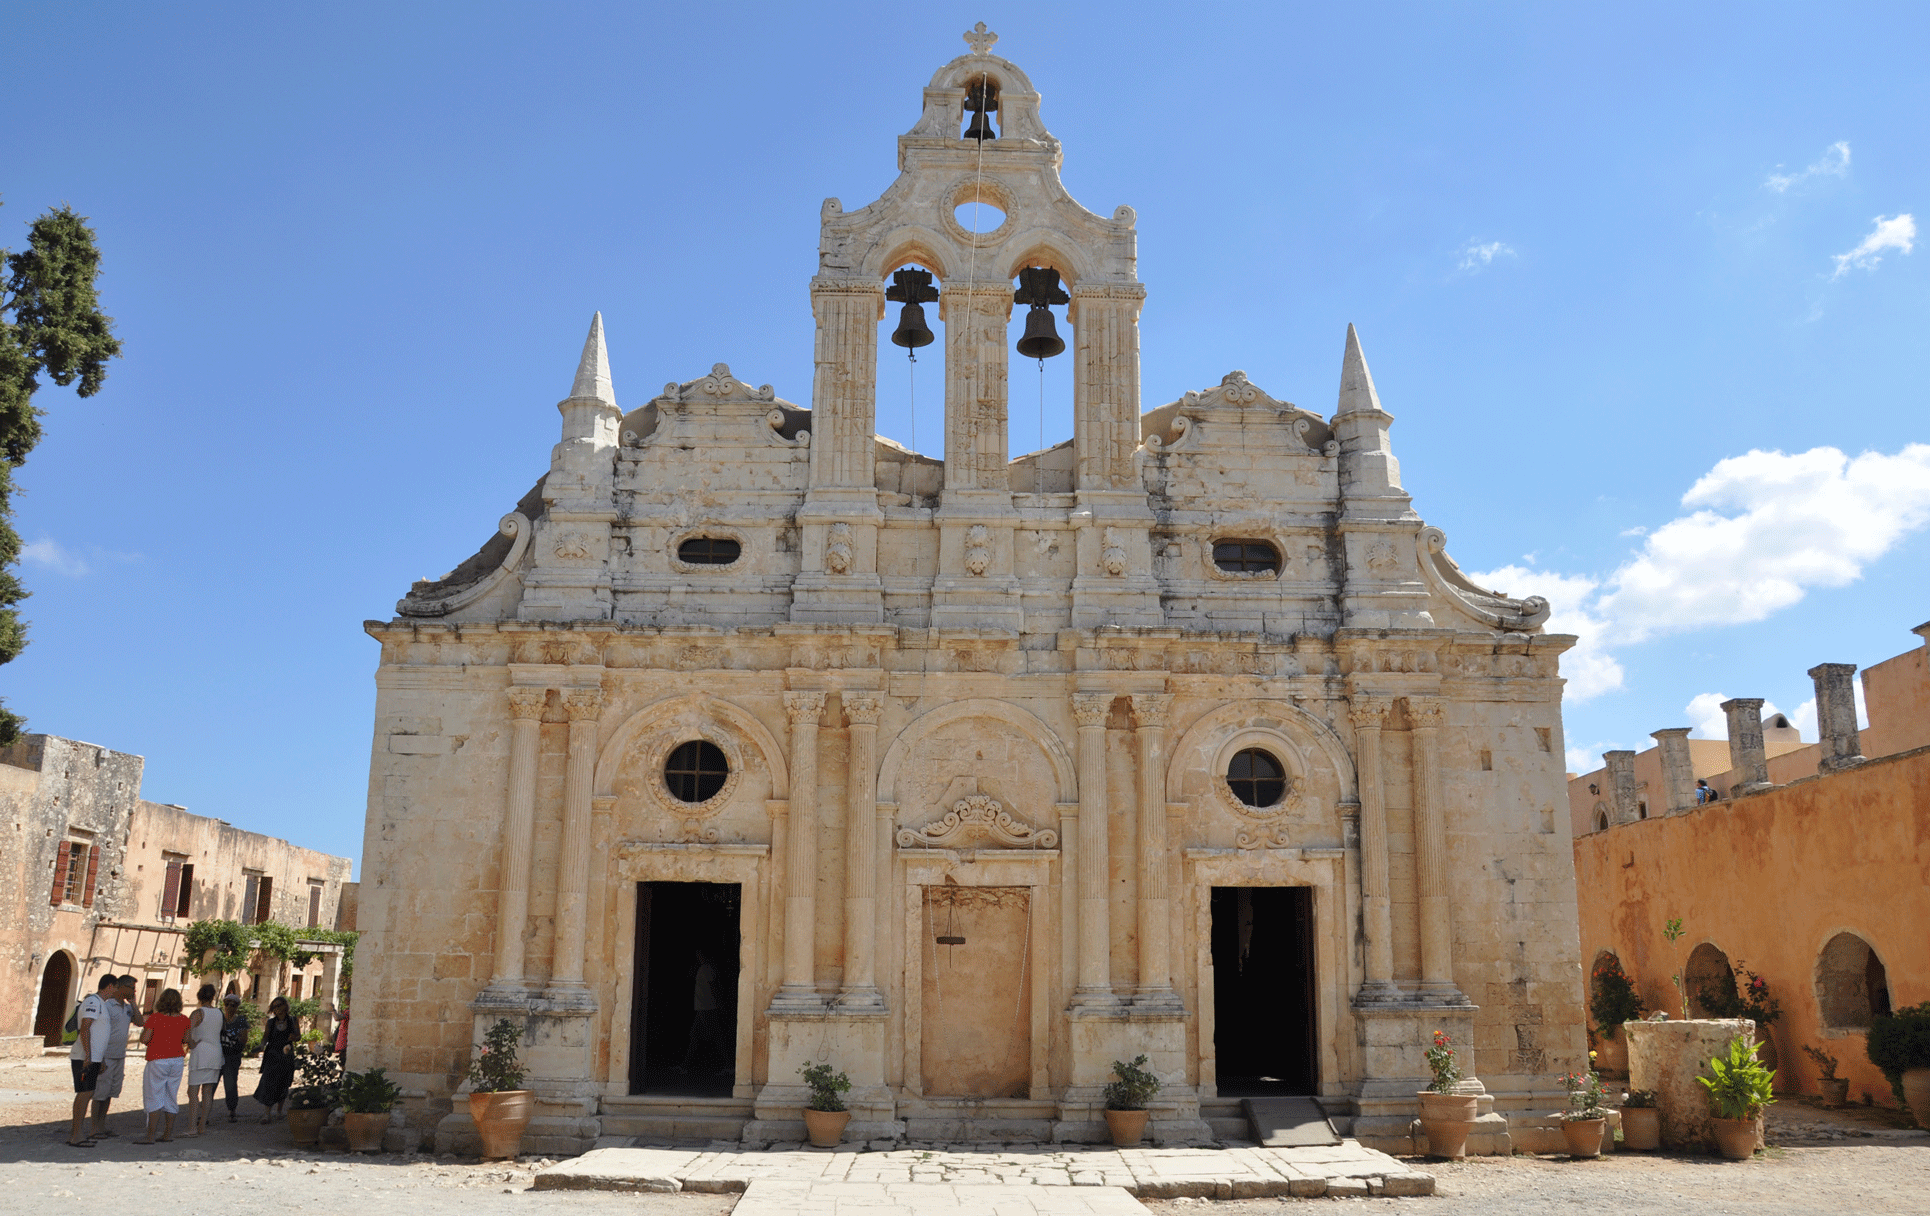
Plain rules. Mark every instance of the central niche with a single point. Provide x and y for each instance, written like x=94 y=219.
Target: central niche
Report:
x=976 y=994
x=975 y=756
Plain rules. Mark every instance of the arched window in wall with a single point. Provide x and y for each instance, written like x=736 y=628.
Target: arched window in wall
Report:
x=911 y=385
x=1708 y=970
x=1852 y=985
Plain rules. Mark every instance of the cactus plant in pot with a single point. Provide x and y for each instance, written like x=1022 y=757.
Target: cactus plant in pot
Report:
x=1739 y=1088
x=498 y=1103
x=824 y=1115
x=1126 y=1098
x=1446 y=1117
x=367 y=1099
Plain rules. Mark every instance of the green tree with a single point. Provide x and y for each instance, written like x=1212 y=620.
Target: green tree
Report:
x=50 y=323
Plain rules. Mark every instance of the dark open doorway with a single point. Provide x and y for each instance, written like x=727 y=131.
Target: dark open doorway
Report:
x=683 y=1013
x=1263 y=991
x=50 y=1018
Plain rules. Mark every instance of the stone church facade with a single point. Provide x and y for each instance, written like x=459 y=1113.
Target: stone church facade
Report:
x=753 y=739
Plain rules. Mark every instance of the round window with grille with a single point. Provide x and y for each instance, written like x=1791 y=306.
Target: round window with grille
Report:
x=1256 y=778
x=695 y=771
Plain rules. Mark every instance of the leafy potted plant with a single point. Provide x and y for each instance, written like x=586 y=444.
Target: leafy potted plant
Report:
x=367 y=1099
x=1835 y=1089
x=1583 y=1121
x=498 y=1103
x=824 y=1115
x=1446 y=1117
x=1744 y=994
x=1641 y=1121
x=1127 y=1094
x=1613 y=1002
x=320 y=1091
x=1739 y=1089
x=1899 y=1045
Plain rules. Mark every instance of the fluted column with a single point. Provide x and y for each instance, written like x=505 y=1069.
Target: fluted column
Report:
x=1105 y=326
x=1430 y=837
x=801 y=855
x=1155 y=911
x=583 y=705
x=861 y=855
x=844 y=390
x=1091 y=710
x=1376 y=905
x=975 y=384
x=519 y=827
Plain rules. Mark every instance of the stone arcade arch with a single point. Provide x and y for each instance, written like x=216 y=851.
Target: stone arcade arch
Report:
x=1852 y=984
x=1708 y=967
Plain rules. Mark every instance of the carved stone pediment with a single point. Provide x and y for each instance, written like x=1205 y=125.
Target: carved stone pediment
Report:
x=975 y=818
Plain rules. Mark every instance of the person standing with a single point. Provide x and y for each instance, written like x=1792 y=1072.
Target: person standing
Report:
x=234 y=1040
x=166 y=1035
x=87 y=1055
x=121 y=1013
x=204 y=1059
x=277 y=1060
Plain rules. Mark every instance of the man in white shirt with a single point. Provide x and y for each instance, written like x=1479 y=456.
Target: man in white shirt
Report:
x=89 y=1053
x=121 y=1013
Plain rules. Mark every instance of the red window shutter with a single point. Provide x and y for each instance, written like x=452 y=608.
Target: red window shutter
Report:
x=171 y=889
x=314 y=906
x=266 y=908
x=93 y=867
x=60 y=872
x=249 y=890
x=186 y=902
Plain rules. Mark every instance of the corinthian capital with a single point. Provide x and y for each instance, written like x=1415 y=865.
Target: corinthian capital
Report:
x=861 y=708
x=1091 y=708
x=1424 y=715
x=1368 y=715
x=583 y=704
x=803 y=706
x=1150 y=709
x=526 y=701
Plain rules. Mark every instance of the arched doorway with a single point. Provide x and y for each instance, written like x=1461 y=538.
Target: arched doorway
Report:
x=1852 y=985
x=56 y=985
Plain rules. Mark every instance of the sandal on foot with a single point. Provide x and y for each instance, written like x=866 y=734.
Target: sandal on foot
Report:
x=80 y=1144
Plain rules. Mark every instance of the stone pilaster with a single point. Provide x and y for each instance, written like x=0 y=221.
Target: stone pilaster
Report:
x=566 y=989
x=1105 y=390
x=1747 y=758
x=1678 y=768
x=860 y=989
x=1842 y=743
x=1621 y=786
x=838 y=576
x=1431 y=858
x=799 y=990
x=506 y=987
x=975 y=385
x=1090 y=711
x=1377 y=913
x=1155 y=910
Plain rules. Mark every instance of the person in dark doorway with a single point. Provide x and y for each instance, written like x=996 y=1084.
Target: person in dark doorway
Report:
x=707 y=1046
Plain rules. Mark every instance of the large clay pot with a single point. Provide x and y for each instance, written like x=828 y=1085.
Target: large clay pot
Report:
x=1611 y=1051
x=364 y=1131
x=1736 y=1139
x=1835 y=1091
x=1916 y=1094
x=1641 y=1128
x=825 y=1127
x=1584 y=1136
x=306 y=1125
x=1447 y=1119
x=1126 y=1126
x=500 y=1119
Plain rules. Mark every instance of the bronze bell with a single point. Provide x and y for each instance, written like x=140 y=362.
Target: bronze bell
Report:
x=911 y=288
x=981 y=128
x=912 y=332
x=1041 y=338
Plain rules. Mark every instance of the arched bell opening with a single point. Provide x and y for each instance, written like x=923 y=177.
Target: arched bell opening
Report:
x=1039 y=417
x=911 y=380
x=982 y=117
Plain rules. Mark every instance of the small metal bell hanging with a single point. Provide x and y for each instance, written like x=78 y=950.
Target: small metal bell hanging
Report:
x=1039 y=288
x=981 y=98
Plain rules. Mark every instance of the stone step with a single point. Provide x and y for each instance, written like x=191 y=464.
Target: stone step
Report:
x=675 y=1119
x=954 y=1129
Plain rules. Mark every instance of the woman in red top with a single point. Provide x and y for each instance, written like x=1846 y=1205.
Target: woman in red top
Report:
x=164 y=1035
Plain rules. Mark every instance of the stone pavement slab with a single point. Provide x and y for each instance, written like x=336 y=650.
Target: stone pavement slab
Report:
x=1152 y=1173
x=773 y=1198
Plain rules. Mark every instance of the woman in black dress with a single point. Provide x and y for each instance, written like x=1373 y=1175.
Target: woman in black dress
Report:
x=277 y=1059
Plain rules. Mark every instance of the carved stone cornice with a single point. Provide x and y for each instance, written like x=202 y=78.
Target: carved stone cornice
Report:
x=1151 y=709
x=802 y=707
x=976 y=816
x=1091 y=708
x=526 y=701
x=583 y=704
x=862 y=708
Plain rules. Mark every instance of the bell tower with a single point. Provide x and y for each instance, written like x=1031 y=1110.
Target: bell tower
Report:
x=979 y=139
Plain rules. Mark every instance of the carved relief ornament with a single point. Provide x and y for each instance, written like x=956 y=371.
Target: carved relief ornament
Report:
x=973 y=818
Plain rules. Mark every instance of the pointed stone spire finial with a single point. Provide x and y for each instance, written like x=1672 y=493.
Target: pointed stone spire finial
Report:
x=593 y=369
x=1356 y=382
x=980 y=39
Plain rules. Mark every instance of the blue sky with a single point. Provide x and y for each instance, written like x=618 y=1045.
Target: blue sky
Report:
x=1598 y=257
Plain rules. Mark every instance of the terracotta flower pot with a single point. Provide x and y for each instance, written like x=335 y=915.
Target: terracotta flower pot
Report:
x=306 y=1125
x=1127 y=1126
x=1916 y=1093
x=1736 y=1139
x=364 y=1131
x=1584 y=1136
x=1835 y=1091
x=1611 y=1051
x=825 y=1127
x=500 y=1119
x=1641 y=1128
x=1447 y=1119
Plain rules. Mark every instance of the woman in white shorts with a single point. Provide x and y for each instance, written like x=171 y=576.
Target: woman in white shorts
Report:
x=204 y=1059
x=166 y=1035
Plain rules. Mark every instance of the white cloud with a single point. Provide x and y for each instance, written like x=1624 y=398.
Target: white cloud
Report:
x=1803 y=717
x=48 y=552
x=1588 y=758
x=1835 y=162
x=1476 y=256
x=1589 y=669
x=1896 y=232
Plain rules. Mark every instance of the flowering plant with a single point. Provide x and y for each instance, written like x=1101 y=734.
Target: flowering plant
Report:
x=1615 y=1000
x=1741 y=995
x=496 y=1068
x=1440 y=1058
x=1584 y=1095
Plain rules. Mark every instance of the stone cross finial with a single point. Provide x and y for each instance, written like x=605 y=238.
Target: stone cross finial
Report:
x=980 y=39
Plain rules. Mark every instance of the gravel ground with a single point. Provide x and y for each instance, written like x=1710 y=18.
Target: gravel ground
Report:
x=1862 y=1166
